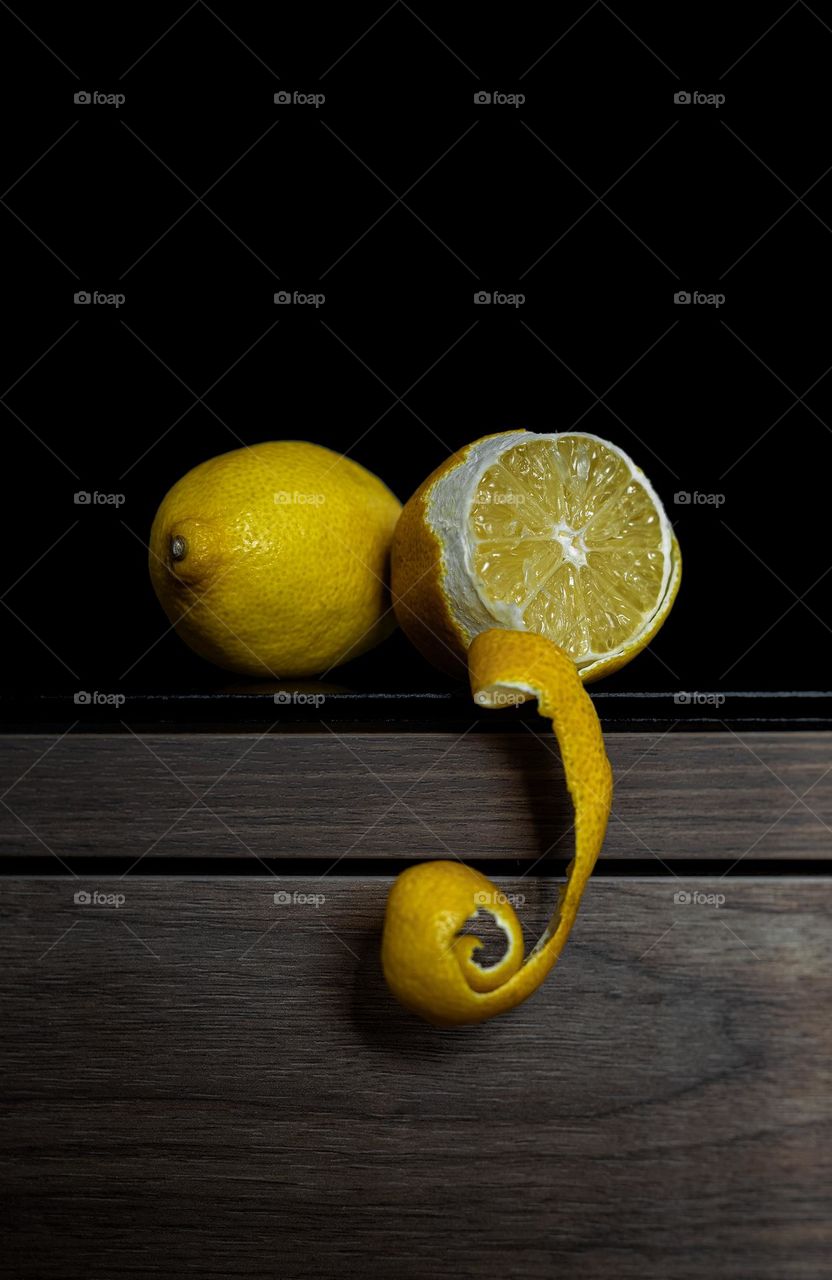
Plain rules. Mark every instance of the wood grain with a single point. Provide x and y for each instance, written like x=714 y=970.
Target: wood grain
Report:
x=484 y=795
x=200 y=1082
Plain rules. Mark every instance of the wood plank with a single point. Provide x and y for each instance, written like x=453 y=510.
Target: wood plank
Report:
x=203 y=1083
x=484 y=795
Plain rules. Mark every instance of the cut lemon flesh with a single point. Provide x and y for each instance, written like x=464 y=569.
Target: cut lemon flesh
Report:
x=567 y=538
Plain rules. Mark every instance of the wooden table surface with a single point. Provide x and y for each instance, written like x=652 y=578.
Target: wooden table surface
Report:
x=201 y=1080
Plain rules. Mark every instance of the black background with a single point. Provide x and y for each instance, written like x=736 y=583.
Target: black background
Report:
x=399 y=366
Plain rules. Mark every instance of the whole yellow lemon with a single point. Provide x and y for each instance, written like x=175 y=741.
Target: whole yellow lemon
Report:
x=273 y=560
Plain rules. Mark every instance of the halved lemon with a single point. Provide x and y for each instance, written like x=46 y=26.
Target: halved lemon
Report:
x=558 y=534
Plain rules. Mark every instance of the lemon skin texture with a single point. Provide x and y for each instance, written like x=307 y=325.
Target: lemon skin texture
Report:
x=273 y=560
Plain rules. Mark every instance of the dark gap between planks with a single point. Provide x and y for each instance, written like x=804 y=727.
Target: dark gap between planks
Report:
x=384 y=868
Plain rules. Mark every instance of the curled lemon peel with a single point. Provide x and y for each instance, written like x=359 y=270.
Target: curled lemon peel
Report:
x=429 y=965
